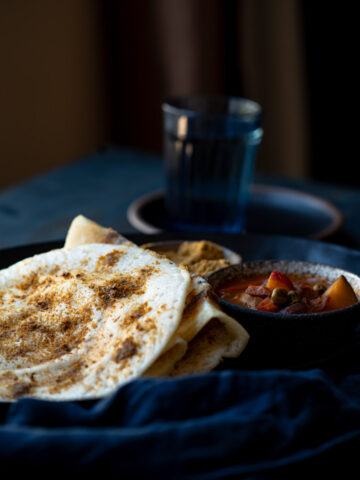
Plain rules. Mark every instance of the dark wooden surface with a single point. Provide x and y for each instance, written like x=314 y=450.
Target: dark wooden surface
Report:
x=103 y=185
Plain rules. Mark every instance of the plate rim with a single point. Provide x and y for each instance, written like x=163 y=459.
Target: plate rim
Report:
x=336 y=215
x=45 y=245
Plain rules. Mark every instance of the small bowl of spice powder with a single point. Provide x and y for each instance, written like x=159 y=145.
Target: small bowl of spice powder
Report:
x=201 y=257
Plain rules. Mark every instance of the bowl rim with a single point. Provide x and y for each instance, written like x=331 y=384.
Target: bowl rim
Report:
x=279 y=315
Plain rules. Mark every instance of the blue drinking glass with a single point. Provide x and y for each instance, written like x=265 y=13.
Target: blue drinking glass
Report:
x=210 y=146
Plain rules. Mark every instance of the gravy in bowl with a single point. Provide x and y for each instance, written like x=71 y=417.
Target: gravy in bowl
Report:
x=290 y=293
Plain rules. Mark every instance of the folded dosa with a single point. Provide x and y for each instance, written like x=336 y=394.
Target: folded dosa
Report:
x=193 y=348
x=83 y=231
x=77 y=323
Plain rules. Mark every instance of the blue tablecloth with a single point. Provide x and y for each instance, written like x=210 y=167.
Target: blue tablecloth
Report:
x=226 y=424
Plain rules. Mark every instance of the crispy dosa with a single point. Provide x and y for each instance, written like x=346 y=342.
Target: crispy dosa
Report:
x=77 y=323
x=223 y=338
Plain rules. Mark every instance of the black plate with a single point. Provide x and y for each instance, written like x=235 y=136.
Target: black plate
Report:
x=251 y=247
x=272 y=210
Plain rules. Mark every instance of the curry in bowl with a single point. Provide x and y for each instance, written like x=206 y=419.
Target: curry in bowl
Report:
x=291 y=293
x=313 y=315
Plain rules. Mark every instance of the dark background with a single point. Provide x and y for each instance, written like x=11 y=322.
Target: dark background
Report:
x=331 y=31
x=78 y=76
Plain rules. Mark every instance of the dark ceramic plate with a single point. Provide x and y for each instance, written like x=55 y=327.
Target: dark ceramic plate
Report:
x=272 y=210
x=250 y=247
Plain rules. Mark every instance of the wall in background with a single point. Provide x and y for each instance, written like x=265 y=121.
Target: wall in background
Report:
x=76 y=75
x=53 y=94
x=331 y=30
x=79 y=74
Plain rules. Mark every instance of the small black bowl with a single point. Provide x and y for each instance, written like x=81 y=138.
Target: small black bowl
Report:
x=285 y=340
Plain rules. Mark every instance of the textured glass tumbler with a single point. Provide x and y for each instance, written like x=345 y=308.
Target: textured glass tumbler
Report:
x=210 y=145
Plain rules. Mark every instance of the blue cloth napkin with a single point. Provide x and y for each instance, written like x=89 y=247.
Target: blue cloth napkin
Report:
x=228 y=424
x=225 y=424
